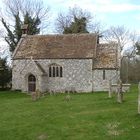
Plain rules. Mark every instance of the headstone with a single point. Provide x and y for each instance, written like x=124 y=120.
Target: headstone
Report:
x=119 y=92
x=110 y=90
x=33 y=95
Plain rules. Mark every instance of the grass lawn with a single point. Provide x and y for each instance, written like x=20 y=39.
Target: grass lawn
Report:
x=84 y=117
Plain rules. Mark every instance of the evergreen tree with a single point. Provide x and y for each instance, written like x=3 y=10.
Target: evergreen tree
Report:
x=17 y=30
x=14 y=36
x=78 y=26
x=15 y=13
x=5 y=74
x=137 y=45
x=76 y=20
x=33 y=24
x=10 y=38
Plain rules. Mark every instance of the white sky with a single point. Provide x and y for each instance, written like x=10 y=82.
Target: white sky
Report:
x=108 y=12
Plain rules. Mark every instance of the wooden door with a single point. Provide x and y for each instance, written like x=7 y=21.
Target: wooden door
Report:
x=31 y=83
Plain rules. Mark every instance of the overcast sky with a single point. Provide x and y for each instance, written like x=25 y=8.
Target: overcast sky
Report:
x=108 y=12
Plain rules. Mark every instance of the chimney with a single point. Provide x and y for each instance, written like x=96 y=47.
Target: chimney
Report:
x=24 y=29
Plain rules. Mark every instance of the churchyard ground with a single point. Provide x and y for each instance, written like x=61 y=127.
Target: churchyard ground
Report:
x=91 y=116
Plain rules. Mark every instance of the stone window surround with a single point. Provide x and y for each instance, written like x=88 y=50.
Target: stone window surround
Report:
x=55 y=70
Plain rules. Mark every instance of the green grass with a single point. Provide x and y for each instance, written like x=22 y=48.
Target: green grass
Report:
x=84 y=117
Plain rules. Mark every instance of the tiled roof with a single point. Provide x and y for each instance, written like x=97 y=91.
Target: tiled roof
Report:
x=107 y=56
x=57 y=46
x=70 y=46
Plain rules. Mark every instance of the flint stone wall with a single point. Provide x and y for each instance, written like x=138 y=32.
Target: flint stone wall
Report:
x=77 y=76
x=100 y=84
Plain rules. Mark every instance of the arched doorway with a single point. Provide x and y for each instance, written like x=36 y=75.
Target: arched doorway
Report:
x=31 y=83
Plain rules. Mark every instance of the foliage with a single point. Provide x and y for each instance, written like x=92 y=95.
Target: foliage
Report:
x=33 y=24
x=90 y=116
x=14 y=36
x=10 y=38
x=130 y=69
x=78 y=26
x=137 y=45
x=21 y=12
x=5 y=74
x=76 y=20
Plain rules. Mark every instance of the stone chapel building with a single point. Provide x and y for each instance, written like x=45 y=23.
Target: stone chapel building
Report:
x=59 y=63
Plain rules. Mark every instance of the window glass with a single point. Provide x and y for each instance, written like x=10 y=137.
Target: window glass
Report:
x=55 y=71
x=103 y=74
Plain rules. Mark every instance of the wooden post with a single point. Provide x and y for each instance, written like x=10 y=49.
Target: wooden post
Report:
x=110 y=90
x=139 y=98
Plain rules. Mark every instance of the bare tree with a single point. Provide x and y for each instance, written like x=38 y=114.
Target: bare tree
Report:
x=122 y=36
x=35 y=8
x=64 y=20
x=119 y=34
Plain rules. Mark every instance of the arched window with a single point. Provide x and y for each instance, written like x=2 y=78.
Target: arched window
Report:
x=104 y=75
x=55 y=71
x=61 y=72
x=31 y=83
